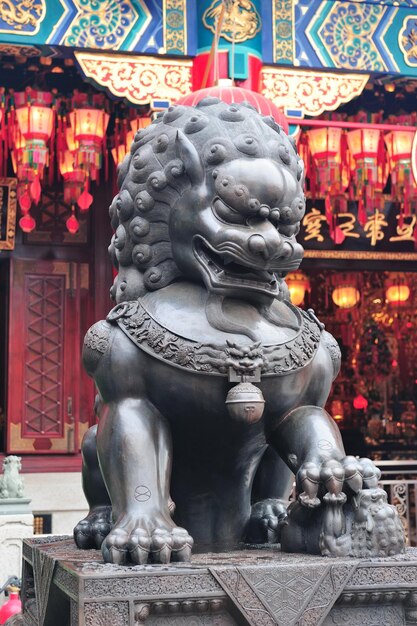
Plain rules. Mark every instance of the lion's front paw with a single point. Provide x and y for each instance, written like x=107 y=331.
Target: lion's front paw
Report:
x=91 y=531
x=144 y=539
x=266 y=520
x=316 y=478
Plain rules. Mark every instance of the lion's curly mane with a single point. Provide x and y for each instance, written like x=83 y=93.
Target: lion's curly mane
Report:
x=153 y=177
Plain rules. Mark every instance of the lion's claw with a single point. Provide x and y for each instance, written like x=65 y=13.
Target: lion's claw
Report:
x=307 y=501
x=333 y=476
x=91 y=531
x=145 y=539
x=266 y=521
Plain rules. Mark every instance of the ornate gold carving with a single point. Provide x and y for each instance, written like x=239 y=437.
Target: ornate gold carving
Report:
x=360 y=255
x=310 y=92
x=8 y=212
x=407 y=40
x=15 y=50
x=241 y=20
x=23 y=17
x=138 y=79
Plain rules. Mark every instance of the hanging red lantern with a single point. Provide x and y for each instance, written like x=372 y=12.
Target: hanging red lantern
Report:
x=72 y=223
x=403 y=186
x=368 y=174
x=122 y=148
x=89 y=123
x=325 y=148
x=397 y=291
x=24 y=199
x=74 y=180
x=298 y=284
x=33 y=129
x=27 y=223
x=85 y=200
x=360 y=402
x=345 y=293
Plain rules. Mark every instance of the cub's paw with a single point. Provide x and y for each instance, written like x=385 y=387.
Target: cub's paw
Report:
x=266 y=520
x=142 y=539
x=91 y=531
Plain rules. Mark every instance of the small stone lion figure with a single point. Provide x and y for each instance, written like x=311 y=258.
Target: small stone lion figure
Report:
x=11 y=483
x=212 y=384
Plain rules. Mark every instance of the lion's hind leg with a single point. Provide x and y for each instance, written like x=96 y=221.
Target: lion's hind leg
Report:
x=92 y=530
x=270 y=498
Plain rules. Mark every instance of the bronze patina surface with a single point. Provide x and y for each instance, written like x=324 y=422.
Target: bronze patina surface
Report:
x=212 y=385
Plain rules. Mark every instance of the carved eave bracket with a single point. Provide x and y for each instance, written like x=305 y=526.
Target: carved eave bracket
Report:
x=310 y=92
x=138 y=79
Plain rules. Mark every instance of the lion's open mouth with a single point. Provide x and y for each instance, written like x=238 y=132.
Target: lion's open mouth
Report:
x=224 y=270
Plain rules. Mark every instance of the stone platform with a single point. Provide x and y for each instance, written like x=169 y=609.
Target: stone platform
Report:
x=64 y=586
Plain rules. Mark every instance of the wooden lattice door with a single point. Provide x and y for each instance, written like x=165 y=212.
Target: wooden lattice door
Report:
x=46 y=386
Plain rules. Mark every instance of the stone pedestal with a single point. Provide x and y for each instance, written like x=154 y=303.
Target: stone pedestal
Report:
x=16 y=523
x=68 y=587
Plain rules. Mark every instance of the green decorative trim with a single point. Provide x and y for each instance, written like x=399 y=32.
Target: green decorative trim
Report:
x=283 y=31
x=175 y=26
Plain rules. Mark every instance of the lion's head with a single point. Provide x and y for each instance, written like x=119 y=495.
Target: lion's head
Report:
x=212 y=193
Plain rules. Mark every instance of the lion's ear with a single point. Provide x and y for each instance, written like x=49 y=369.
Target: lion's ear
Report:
x=189 y=156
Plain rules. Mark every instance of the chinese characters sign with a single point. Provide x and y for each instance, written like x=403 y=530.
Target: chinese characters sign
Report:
x=383 y=231
x=7 y=213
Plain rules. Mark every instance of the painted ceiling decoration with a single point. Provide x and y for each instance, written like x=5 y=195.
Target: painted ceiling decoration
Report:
x=129 y=25
x=372 y=36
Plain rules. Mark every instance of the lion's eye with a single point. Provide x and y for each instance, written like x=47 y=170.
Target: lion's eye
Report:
x=226 y=213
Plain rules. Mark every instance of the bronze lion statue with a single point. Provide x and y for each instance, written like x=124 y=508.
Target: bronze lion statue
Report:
x=211 y=383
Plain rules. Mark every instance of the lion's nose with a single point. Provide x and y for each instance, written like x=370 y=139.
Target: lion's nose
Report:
x=266 y=247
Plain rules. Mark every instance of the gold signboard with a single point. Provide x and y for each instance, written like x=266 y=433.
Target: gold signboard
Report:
x=7 y=213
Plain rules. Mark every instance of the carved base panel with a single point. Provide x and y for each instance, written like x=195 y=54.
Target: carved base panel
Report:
x=71 y=587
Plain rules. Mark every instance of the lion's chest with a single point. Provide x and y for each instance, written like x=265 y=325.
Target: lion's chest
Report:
x=190 y=364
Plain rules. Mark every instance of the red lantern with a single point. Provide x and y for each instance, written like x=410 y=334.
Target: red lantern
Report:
x=35 y=121
x=30 y=135
x=397 y=291
x=298 y=284
x=360 y=402
x=85 y=200
x=27 y=223
x=74 y=179
x=89 y=124
x=403 y=186
x=72 y=224
x=325 y=148
x=236 y=95
x=368 y=169
x=121 y=149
